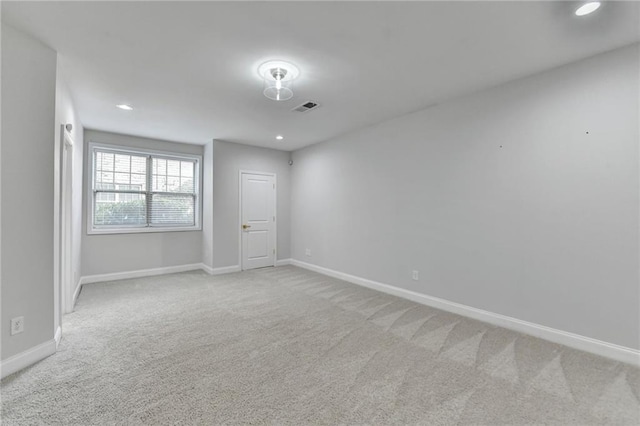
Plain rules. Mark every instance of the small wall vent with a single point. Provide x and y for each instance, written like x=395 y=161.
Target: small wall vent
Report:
x=307 y=106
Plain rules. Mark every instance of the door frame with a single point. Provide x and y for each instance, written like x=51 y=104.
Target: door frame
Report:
x=275 y=212
x=66 y=225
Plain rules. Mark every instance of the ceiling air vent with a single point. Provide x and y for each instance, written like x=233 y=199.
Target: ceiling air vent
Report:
x=307 y=106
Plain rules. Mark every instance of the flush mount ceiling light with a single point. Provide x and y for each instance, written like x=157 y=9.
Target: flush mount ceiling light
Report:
x=125 y=107
x=279 y=137
x=587 y=8
x=278 y=79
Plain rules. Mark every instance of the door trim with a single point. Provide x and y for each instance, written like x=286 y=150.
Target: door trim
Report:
x=66 y=224
x=275 y=212
x=63 y=170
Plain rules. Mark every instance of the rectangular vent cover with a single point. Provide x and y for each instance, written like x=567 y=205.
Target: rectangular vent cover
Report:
x=307 y=106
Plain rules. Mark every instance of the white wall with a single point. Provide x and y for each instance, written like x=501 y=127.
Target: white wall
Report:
x=228 y=160
x=28 y=104
x=112 y=253
x=520 y=200
x=207 y=205
x=66 y=113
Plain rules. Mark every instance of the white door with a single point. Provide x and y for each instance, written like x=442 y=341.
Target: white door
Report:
x=258 y=219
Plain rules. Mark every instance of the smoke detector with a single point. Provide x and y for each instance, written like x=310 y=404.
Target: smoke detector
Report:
x=307 y=106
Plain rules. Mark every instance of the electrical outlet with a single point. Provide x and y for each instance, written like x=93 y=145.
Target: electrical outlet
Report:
x=415 y=275
x=17 y=325
x=308 y=252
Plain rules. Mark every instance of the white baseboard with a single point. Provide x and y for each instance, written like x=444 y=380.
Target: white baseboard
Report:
x=76 y=294
x=90 y=279
x=139 y=273
x=236 y=268
x=58 y=336
x=220 y=271
x=208 y=269
x=572 y=340
x=27 y=358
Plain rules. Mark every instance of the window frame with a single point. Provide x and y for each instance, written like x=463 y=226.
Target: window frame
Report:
x=148 y=227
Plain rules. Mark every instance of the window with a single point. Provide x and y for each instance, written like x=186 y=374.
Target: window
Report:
x=143 y=191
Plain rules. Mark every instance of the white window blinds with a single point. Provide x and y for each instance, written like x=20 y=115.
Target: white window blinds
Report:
x=173 y=199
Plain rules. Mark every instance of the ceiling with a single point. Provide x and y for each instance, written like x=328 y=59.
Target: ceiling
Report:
x=190 y=68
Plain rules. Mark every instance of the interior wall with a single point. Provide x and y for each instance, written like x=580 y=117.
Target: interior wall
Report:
x=207 y=205
x=112 y=253
x=66 y=113
x=27 y=156
x=521 y=200
x=228 y=159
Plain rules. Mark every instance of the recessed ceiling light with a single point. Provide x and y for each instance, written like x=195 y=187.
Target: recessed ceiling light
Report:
x=125 y=107
x=279 y=137
x=587 y=8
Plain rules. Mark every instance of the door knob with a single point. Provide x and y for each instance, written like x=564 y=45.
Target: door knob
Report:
x=246 y=226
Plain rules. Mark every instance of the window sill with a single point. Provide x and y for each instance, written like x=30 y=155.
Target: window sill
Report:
x=106 y=231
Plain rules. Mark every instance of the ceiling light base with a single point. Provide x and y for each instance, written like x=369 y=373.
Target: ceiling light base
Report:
x=278 y=79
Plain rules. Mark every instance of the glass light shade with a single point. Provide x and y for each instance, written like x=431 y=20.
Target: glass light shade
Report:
x=278 y=84
x=588 y=8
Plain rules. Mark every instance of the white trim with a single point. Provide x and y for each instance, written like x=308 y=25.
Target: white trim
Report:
x=208 y=269
x=92 y=230
x=221 y=270
x=90 y=279
x=76 y=294
x=275 y=212
x=139 y=273
x=66 y=225
x=26 y=358
x=57 y=245
x=572 y=340
x=58 y=336
x=146 y=229
x=284 y=262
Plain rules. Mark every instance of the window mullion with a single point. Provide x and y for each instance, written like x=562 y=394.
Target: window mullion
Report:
x=149 y=187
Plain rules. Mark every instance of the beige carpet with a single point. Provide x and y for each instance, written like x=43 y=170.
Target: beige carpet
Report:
x=288 y=346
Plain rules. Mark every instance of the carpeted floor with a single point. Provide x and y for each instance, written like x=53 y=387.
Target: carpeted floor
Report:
x=288 y=346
